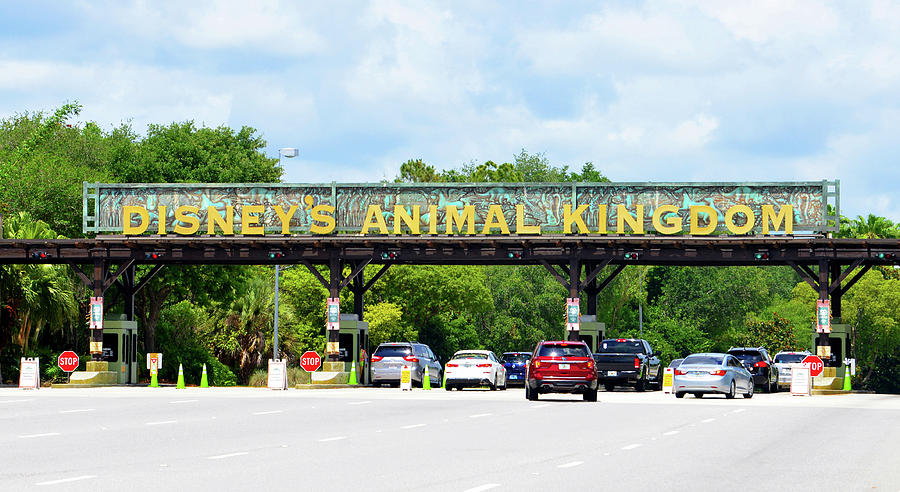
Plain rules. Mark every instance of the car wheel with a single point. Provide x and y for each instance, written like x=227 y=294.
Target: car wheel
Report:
x=609 y=386
x=749 y=393
x=590 y=395
x=493 y=384
x=730 y=393
x=640 y=385
x=679 y=394
x=698 y=395
x=774 y=387
x=530 y=393
x=448 y=387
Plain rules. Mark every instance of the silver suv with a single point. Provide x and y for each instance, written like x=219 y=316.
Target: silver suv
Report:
x=389 y=358
x=784 y=361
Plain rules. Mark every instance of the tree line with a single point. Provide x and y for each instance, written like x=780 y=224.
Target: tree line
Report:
x=223 y=315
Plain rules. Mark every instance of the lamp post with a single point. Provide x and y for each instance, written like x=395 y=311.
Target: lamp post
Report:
x=288 y=152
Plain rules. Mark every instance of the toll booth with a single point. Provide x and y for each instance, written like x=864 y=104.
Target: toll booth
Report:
x=591 y=331
x=354 y=342
x=120 y=347
x=838 y=347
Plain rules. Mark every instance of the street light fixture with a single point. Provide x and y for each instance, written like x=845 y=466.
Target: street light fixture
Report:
x=288 y=152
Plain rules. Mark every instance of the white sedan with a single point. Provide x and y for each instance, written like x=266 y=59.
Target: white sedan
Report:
x=474 y=368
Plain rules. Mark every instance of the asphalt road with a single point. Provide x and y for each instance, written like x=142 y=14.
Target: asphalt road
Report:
x=384 y=439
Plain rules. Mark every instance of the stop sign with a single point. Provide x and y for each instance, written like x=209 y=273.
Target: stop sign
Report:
x=67 y=361
x=310 y=361
x=814 y=364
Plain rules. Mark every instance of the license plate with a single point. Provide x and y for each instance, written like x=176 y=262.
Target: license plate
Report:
x=564 y=366
x=513 y=377
x=611 y=373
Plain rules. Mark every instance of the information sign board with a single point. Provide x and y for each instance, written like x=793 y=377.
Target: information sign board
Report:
x=29 y=373
x=573 y=314
x=823 y=316
x=405 y=378
x=334 y=313
x=668 y=380
x=801 y=382
x=277 y=374
x=154 y=362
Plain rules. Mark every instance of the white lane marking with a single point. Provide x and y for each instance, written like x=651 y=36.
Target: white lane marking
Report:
x=542 y=405
x=184 y=401
x=78 y=410
x=481 y=488
x=270 y=412
x=631 y=446
x=739 y=410
x=359 y=403
x=46 y=434
x=706 y=421
x=670 y=433
x=412 y=426
x=605 y=454
x=478 y=415
x=64 y=480
x=16 y=401
x=570 y=464
x=229 y=455
x=163 y=422
x=336 y=438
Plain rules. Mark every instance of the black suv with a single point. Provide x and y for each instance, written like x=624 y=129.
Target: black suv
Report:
x=762 y=369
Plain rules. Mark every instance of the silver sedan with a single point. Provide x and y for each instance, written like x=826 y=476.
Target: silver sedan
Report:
x=701 y=374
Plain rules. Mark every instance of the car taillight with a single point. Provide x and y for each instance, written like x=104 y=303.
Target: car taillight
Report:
x=537 y=364
x=620 y=340
x=590 y=364
x=720 y=372
x=376 y=358
x=761 y=363
x=410 y=358
x=452 y=365
x=679 y=372
x=482 y=365
x=637 y=363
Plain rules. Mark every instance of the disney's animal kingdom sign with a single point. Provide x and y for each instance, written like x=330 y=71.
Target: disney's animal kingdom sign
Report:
x=461 y=208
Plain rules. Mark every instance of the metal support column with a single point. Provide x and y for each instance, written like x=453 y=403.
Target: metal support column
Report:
x=824 y=269
x=334 y=291
x=97 y=289
x=836 y=293
x=574 y=279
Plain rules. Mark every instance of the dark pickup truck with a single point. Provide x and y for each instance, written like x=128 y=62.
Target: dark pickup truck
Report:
x=627 y=361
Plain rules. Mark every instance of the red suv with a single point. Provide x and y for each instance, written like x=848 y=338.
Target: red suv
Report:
x=561 y=367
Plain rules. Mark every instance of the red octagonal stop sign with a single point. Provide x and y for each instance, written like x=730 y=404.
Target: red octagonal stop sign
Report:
x=310 y=361
x=67 y=361
x=814 y=364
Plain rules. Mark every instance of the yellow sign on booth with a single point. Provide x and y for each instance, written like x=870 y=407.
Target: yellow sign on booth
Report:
x=405 y=378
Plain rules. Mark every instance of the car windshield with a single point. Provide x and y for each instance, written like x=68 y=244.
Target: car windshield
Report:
x=747 y=357
x=564 y=350
x=675 y=363
x=789 y=358
x=702 y=359
x=470 y=355
x=622 y=347
x=393 y=351
x=515 y=358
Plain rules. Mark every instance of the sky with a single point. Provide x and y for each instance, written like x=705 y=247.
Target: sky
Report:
x=678 y=90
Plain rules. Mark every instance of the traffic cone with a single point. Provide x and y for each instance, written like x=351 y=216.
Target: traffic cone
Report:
x=154 y=382
x=426 y=380
x=846 y=378
x=352 y=380
x=180 y=384
x=204 y=382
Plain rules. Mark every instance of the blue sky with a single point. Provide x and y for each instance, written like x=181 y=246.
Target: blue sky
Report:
x=648 y=91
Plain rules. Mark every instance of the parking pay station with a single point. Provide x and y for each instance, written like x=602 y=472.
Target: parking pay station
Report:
x=354 y=335
x=591 y=331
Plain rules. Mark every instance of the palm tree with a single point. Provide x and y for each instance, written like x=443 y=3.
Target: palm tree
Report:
x=250 y=323
x=872 y=227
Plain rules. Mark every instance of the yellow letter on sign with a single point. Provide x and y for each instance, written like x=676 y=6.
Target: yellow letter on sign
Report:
x=181 y=215
x=250 y=215
x=127 y=212
x=786 y=214
x=710 y=212
x=494 y=219
x=739 y=209
x=569 y=218
x=466 y=218
x=636 y=223
x=413 y=221
x=322 y=213
x=373 y=213
x=674 y=223
x=213 y=219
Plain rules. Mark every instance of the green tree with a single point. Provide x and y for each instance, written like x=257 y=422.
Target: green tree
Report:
x=776 y=334
x=386 y=324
